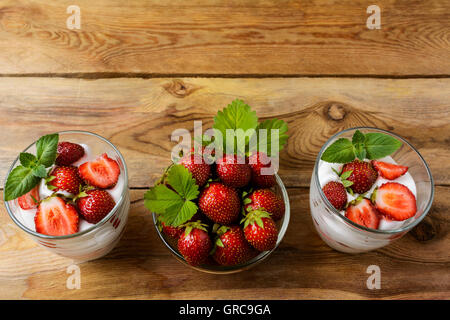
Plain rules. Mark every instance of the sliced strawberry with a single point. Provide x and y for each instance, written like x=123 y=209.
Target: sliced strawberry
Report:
x=55 y=217
x=363 y=213
x=389 y=171
x=102 y=172
x=395 y=201
x=29 y=200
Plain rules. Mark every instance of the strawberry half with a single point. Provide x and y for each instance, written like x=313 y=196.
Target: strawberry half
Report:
x=55 y=217
x=29 y=200
x=395 y=201
x=233 y=171
x=267 y=200
x=68 y=153
x=389 y=171
x=362 y=212
x=94 y=205
x=336 y=194
x=102 y=172
x=66 y=178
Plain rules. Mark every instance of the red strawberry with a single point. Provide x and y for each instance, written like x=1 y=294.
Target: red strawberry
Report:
x=194 y=243
x=197 y=166
x=257 y=161
x=231 y=248
x=362 y=212
x=95 y=204
x=68 y=153
x=66 y=179
x=29 y=200
x=395 y=201
x=55 y=217
x=233 y=171
x=171 y=231
x=267 y=200
x=102 y=172
x=363 y=175
x=389 y=171
x=260 y=230
x=220 y=203
x=336 y=194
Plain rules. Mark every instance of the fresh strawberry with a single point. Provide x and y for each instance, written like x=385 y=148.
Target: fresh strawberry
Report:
x=233 y=171
x=267 y=200
x=95 y=204
x=389 y=171
x=220 y=203
x=55 y=217
x=363 y=175
x=336 y=194
x=362 y=212
x=395 y=201
x=200 y=170
x=102 y=172
x=258 y=161
x=171 y=231
x=68 y=153
x=66 y=178
x=194 y=243
x=29 y=200
x=231 y=248
x=260 y=230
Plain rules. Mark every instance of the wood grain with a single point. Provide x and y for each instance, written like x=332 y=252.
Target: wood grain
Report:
x=225 y=38
x=303 y=267
x=139 y=115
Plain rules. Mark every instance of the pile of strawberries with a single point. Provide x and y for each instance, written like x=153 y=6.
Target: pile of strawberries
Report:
x=238 y=211
x=76 y=191
x=391 y=200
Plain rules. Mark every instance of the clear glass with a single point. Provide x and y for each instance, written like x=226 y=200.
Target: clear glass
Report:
x=217 y=269
x=99 y=239
x=343 y=234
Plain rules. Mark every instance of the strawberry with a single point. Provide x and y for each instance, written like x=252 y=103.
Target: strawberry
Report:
x=194 y=243
x=260 y=230
x=362 y=212
x=389 y=171
x=363 y=175
x=55 y=217
x=95 y=204
x=102 y=172
x=197 y=166
x=220 y=203
x=267 y=200
x=336 y=194
x=233 y=171
x=257 y=161
x=231 y=248
x=66 y=178
x=29 y=200
x=171 y=231
x=395 y=201
x=68 y=153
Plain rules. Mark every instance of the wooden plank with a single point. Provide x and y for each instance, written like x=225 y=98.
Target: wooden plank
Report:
x=303 y=267
x=139 y=115
x=225 y=37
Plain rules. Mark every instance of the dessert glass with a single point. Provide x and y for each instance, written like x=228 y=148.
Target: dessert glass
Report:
x=99 y=239
x=218 y=269
x=343 y=234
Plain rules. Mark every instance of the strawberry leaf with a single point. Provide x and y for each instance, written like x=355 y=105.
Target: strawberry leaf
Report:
x=272 y=126
x=182 y=181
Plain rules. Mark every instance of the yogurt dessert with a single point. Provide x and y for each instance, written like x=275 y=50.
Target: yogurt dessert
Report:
x=70 y=198
x=361 y=198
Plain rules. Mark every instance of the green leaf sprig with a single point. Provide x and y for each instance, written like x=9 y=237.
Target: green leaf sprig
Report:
x=373 y=145
x=32 y=168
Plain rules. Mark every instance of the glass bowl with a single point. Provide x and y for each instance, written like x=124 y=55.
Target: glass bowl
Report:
x=97 y=240
x=218 y=269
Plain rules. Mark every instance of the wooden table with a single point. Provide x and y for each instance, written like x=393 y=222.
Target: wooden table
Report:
x=136 y=70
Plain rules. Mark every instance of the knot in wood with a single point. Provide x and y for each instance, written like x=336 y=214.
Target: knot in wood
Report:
x=336 y=111
x=179 y=89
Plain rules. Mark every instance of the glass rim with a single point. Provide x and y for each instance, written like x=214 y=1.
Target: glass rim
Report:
x=343 y=217
x=91 y=228
x=250 y=263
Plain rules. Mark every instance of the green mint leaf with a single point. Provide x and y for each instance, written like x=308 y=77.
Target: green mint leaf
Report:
x=358 y=137
x=379 y=145
x=46 y=148
x=40 y=171
x=20 y=181
x=270 y=126
x=182 y=181
x=340 y=151
x=27 y=159
x=360 y=151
